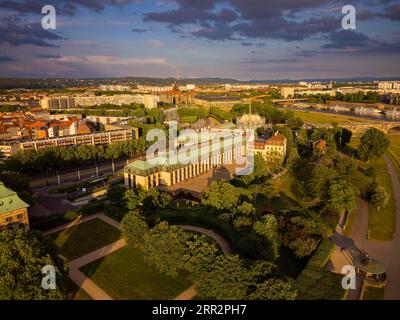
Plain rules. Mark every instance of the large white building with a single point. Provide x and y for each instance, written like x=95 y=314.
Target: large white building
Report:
x=110 y=87
x=287 y=92
x=389 y=85
x=66 y=102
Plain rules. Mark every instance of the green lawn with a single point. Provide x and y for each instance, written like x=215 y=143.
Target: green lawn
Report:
x=394 y=152
x=319 y=117
x=381 y=223
x=73 y=292
x=374 y=293
x=85 y=237
x=124 y=275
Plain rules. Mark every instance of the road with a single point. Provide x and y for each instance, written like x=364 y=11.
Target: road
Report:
x=72 y=175
x=388 y=252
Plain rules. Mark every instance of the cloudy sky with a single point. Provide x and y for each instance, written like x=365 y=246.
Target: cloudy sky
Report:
x=242 y=39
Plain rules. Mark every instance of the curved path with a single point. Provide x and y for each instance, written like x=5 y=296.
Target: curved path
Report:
x=190 y=293
x=386 y=251
x=223 y=244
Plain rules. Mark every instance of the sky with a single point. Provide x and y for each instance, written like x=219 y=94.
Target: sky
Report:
x=241 y=39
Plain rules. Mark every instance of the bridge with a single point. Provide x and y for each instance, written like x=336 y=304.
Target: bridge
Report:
x=289 y=100
x=359 y=128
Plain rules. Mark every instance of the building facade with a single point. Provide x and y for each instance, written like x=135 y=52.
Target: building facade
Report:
x=13 y=211
x=142 y=173
x=98 y=138
x=272 y=148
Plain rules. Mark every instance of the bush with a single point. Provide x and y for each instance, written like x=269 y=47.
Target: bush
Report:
x=92 y=208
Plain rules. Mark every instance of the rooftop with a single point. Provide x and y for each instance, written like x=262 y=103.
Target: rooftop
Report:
x=9 y=200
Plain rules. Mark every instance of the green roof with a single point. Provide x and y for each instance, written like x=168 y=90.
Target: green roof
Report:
x=9 y=200
x=140 y=165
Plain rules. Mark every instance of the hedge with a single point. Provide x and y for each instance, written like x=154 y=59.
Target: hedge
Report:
x=317 y=283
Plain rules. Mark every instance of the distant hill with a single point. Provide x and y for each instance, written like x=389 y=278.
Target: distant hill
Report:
x=59 y=83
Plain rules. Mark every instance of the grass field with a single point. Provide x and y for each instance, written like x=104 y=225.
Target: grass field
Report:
x=124 y=275
x=73 y=292
x=394 y=152
x=374 y=293
x=319 y=117
x=381 y=223
x=85 y=237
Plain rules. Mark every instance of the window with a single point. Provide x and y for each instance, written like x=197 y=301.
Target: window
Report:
x=20 y=216
x=9 y=219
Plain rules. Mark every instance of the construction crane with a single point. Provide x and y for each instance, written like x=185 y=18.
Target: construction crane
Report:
x=251 y=98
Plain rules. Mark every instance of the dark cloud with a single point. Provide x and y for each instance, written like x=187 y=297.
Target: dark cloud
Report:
x=345 y=39
x=63 y=7
x=250 y=19
x=140 y=30
x=4 y=58
x=48 y=56
x=17 y=32
x=392 y=12
x=359 y=42
x=280 y=28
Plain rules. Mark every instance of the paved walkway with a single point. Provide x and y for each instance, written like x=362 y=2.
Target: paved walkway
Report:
x=223 y=244
x=94 y=290
x=388 y=252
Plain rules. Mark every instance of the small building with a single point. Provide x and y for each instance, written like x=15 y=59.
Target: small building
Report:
x=272 y=148
x=13 y=211
x=319 y=145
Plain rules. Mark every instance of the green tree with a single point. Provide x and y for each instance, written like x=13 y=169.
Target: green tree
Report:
x=342 y=195
x=274 y=289
x=223 y=196
x=373 y=144
x=134 y=229
x=164 y=248
x=304 y=246
x=23 y=254
x=225 y=279
x=380 y=197
x=268 y=227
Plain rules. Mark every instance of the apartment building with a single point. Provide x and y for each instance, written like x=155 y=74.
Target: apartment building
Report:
x=98 y=138
x=76 y=102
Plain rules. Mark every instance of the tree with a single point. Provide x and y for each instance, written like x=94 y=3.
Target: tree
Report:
x=380 y=197
x=342 y=195
x=260 y=170
x=134 y=229
x=115 y=194
x=321 y=176
x=200 y=253
x=23 y=254
x=227 y=278
x=268 y=227
x=223 y=196
x=373 y=144
x=164 y=248
x=304 y=246
x=274 y=289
